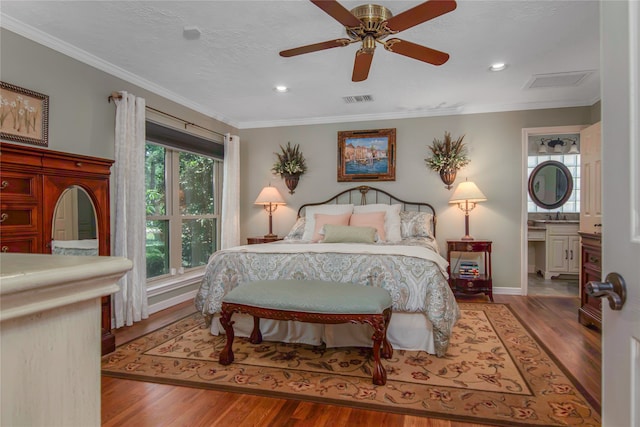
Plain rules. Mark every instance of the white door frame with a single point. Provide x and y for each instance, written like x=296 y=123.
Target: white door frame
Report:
x=524 y=210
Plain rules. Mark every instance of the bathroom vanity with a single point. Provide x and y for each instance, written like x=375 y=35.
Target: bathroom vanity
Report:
x=556 y=245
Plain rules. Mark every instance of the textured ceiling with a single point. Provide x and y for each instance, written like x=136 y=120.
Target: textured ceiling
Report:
x=229 y=71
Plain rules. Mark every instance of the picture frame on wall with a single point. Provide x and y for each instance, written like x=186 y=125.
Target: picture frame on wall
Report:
x=24 y=115
x=367 y=155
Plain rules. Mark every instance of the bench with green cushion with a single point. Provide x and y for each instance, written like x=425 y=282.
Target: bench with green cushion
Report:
x=312 y=301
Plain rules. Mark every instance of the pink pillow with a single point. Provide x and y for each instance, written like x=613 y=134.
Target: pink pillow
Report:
x=322 y=219
x=370 y=219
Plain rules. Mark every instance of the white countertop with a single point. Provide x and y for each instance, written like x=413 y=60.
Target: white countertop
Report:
x=34 y=282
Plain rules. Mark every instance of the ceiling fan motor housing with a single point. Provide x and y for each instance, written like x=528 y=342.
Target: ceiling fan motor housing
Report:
x=372 y=19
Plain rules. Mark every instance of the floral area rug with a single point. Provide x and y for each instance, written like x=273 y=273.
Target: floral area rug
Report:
x=495 y=372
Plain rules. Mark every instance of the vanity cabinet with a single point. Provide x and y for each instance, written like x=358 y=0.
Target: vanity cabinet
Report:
x=562 y=248
x=32 y=180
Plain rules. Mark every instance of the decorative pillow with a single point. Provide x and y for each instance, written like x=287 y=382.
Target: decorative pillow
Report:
x=391 y=220
x=321 y=220
x=416 y=224
x=310 y=211
x=372 y=219
x=297 y=230
x=348 y=234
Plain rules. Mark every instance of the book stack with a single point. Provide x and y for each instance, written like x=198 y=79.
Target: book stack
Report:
x=469 y=270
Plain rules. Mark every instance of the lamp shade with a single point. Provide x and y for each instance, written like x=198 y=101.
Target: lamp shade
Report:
x=467 y=191
x=269 y=195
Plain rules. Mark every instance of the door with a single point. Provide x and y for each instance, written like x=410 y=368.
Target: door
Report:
x=619 y=32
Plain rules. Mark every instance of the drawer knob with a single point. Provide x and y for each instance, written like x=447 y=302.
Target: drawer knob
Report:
x=4 y=217
x=79 y=164
x=4 y=185
x=5 y=249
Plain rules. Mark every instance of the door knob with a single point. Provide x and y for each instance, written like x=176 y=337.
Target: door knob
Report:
x=613 y=287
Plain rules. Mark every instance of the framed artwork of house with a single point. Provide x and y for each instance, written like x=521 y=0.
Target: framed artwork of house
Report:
x=24 y=115
x=367 y=155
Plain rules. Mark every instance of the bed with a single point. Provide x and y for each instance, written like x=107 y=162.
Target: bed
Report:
x=361 y=235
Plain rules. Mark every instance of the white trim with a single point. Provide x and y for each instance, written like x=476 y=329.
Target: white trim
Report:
x=178 y=299
x=85 y=57
x=58 y=45
x=159 y=287
x=509 y=291
x=524 y=211
x=634 y=121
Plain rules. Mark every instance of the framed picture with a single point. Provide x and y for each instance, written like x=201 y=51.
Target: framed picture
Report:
x=24 y=115
x=367 y=155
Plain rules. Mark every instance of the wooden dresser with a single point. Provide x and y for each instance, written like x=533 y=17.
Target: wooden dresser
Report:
x=590 y=311
x=32 y=180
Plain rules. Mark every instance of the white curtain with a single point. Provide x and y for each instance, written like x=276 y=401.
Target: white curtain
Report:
x=131 y=303
x=230 y=232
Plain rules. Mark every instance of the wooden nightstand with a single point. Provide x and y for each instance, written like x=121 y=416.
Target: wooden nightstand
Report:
x=262 y=239
x=471 y=285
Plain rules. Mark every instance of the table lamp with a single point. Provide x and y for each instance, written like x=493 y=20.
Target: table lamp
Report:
x=270 y=198
x=466 y=195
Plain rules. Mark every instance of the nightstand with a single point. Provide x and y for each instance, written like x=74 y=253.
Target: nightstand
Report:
x=262 y=239
x=470 y=284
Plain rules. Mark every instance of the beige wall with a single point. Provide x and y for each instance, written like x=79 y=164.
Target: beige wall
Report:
x=495 y=148
x=81 y=121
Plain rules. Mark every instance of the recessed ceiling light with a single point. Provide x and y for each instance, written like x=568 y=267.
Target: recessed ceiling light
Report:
x=498 y=66
x=281 y=89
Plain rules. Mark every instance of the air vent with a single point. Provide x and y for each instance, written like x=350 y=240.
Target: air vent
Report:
x=357 y=99
x=573 y=78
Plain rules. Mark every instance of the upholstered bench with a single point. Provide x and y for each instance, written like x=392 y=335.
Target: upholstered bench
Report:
x=312 y=301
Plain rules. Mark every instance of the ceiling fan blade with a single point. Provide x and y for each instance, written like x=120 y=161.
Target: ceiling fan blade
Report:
x=416 y=51
x=337 y=12
x=362 y=65
x=316 y=47
x=419 y=14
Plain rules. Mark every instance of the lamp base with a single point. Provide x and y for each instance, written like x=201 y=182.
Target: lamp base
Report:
x=270 y=236
x=467 y=237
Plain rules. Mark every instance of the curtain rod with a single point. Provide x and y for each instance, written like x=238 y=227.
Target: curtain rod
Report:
x=116 y=95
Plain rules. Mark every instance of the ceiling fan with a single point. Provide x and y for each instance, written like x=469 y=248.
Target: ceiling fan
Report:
x=371 y=24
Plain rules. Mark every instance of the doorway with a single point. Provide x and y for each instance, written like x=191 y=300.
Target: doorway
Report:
x=551 y=250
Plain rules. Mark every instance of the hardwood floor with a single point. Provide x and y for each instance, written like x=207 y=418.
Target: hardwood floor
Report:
x=134 y=403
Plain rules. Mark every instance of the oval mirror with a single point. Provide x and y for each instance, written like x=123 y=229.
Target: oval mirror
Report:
x=550 y=184
x=75 y=228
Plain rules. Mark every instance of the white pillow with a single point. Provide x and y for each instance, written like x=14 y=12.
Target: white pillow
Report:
x=310 y=211
x=391 y=219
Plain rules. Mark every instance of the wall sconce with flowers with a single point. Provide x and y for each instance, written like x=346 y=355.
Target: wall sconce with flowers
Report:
x=290 y=165
x=447 y=157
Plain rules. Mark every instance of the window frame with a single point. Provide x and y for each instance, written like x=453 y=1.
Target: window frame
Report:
x=172 y=201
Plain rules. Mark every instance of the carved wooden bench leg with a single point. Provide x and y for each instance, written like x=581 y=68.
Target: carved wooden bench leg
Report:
x=387 y=350
x=226 y=356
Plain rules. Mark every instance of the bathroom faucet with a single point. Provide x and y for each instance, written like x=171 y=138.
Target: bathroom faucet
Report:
x=558 y=215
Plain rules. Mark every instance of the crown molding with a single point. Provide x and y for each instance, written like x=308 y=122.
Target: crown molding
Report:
x=67 y=49
x=58 y=45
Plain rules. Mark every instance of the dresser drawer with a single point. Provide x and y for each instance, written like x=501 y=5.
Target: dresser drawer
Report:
x=20 y=244
x=591 y=258
x=18 y=187
x=18 y=217
x=79 y=164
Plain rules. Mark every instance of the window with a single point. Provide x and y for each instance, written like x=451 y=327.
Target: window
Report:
x=182 y=192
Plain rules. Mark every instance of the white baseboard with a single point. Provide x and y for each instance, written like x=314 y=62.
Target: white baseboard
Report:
x=507 y=291
x=173 y=301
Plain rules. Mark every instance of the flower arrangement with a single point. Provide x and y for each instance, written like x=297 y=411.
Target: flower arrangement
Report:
x=447 y=154
x=290 y=161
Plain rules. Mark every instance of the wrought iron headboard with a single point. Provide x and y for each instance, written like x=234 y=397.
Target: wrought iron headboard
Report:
x=368 y=195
